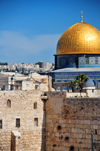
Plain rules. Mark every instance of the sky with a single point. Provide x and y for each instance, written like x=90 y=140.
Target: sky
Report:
x=30 y=29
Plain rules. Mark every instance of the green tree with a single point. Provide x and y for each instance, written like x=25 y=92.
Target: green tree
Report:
x=81 y=78
x=73 y=84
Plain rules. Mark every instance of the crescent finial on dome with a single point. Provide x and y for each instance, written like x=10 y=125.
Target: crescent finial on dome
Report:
x=81 y=16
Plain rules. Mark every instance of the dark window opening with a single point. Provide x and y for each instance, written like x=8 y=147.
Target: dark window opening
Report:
x=0 y=124
x=3 y=87
x=96 y=131
x=60 y=61
x=35 y=105
x=17 y=122
x=8 y=103
x=35 y=121
x=36 y=87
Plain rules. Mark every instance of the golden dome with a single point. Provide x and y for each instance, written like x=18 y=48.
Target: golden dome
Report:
x=79 y=39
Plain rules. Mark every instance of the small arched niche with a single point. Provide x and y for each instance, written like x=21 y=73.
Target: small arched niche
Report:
x=9 y=103
x=35 y=105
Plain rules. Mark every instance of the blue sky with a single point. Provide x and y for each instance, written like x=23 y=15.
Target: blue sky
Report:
x=30 y=29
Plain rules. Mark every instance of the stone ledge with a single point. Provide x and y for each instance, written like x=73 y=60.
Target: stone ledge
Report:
x=44 y=97
x=16 y=133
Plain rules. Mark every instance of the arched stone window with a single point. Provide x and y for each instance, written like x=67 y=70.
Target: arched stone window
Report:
x=35 y=105
x=9 y=103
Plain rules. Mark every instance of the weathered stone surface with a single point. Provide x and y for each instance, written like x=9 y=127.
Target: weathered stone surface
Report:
x=22 y=106
x=64 y=124
x=70 y=122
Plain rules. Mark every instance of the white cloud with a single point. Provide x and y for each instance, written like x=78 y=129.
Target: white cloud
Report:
x=13 y=43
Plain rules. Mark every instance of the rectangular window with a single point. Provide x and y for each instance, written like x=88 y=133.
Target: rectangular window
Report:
x=67 y=61
x=60 y=61
x=92 y=90
x=0 y=124
x=17 y=122
x=35 y=121
x=36 y=87
x=87 y=60
x=26 y=85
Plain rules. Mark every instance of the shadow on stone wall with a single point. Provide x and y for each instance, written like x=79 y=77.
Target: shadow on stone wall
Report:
x=43 y=144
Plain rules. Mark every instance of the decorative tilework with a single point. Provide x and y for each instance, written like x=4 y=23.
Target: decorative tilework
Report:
x=78 y=61
x=92 y=60
x=81 y=60
x=71 y=60
x=96 y=60
x=63 y=61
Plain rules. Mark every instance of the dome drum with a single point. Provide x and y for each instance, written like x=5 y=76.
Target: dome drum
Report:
x=77 y=61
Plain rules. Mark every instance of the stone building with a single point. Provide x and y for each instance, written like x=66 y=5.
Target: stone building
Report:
x=22 y=115
x=21 y=121
x=21 y=82
x=4 y=82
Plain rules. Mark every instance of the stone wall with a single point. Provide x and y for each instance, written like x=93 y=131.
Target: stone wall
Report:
x=22 y=106
x=70 y=123
x=76 y=94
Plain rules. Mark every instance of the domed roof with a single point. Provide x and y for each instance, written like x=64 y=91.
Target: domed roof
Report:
x=89 y=83
x=79 y=39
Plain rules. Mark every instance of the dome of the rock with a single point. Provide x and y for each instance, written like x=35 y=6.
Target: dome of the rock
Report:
x=81 y=38
x=78 y=52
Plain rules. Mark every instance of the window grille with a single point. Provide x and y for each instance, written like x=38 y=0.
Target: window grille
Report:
x=17 y=122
